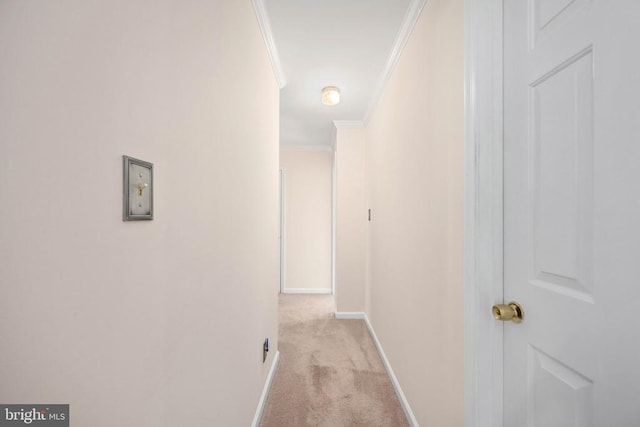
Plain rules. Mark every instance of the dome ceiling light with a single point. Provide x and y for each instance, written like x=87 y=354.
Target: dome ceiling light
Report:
x=330 y=95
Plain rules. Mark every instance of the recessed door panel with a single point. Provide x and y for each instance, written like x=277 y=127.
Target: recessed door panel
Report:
x=561 y=156
x=546 y=15
x=558 y=395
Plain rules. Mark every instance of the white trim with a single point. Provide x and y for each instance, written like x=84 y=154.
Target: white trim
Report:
x=409 y=21
x=307 y=291
x=350 y=315
x=396 y=384
x=267 y=35
x=348 y=124
x=327 y=147
x=283 y=229
x=334 y=137
x=334 y=220
x=483 y=222
x=265 y=391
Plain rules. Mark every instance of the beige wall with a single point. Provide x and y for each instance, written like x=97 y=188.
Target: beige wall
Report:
x=308 y=228
x=351 y=221
x=155 y=323
x=415 y=169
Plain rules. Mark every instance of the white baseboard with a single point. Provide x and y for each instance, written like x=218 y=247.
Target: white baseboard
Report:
x=265 y=390
x=396 y=385
x=306 y=291
x=350 y=315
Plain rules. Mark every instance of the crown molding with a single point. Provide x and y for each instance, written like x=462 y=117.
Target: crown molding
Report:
x=265 y=27
x=348 y=124
x=410 y=19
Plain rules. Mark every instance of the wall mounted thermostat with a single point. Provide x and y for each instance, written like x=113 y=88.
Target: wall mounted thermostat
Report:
x=138 y=189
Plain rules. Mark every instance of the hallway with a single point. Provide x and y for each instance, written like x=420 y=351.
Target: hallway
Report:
x=330 y=373
x=190 y=293
x=488 y=161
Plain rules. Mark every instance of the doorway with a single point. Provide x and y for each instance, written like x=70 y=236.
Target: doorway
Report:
x=306 y=221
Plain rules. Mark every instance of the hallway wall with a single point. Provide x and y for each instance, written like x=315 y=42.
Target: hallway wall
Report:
x=415 y=181
x=351 y=221
x=149 y=323
x=308 y=212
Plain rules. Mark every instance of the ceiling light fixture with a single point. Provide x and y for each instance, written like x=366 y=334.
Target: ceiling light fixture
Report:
x=330 y=95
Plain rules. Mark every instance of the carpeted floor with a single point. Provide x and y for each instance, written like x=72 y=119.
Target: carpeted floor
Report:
x=330 y=373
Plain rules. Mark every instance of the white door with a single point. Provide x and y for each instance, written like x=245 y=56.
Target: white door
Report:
x=572 y=212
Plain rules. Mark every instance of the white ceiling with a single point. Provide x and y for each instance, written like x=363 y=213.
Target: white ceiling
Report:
x=352 y=44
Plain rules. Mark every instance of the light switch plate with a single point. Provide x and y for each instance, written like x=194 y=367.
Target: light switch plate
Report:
x=138 y=189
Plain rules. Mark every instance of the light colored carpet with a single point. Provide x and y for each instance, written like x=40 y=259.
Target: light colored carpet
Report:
x=330 y=373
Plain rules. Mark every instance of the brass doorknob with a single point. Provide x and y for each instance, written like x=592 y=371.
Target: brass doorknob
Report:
x=505 y=312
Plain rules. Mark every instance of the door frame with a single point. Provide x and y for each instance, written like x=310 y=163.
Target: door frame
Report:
x=483 y=212
x=283 y=241
x=334 y=217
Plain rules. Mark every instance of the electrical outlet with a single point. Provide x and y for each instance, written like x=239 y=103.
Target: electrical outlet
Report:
x=265 y=349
